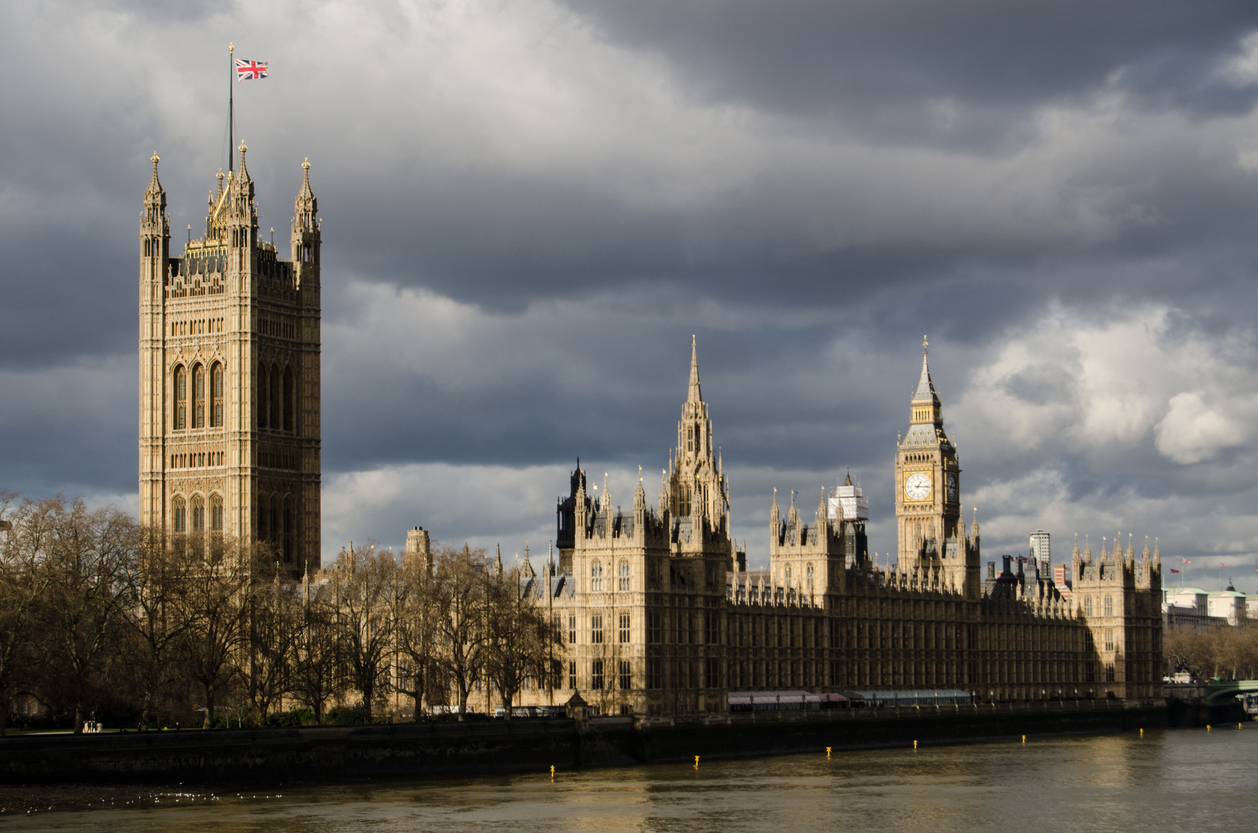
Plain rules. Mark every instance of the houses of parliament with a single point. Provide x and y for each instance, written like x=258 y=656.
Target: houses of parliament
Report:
x=658 y=610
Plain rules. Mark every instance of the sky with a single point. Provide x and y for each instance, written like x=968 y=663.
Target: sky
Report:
x=530 y=206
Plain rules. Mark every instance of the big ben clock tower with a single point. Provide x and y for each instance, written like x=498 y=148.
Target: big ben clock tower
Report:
x=927 y=506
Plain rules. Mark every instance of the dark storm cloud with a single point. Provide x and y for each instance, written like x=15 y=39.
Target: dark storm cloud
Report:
x=889 y=60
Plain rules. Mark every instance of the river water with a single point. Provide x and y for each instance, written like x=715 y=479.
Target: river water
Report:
x=1169 y=780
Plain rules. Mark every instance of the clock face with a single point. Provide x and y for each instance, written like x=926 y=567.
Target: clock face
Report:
x=917 y=486
x=952 y=487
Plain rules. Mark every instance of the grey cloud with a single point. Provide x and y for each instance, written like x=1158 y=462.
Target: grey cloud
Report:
x=876 y=57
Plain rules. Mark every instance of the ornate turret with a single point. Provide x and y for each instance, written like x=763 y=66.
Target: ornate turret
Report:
x=307 y=233
x=154 y=230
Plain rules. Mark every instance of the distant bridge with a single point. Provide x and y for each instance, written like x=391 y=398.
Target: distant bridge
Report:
x=1224 y=692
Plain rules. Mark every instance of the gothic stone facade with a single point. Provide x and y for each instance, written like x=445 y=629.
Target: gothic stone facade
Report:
x=661 y=616
x=229 y=374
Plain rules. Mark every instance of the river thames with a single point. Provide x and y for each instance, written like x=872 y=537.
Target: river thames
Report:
x=1169 y=780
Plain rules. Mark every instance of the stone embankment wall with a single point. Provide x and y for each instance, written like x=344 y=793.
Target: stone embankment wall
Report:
x=437 y=750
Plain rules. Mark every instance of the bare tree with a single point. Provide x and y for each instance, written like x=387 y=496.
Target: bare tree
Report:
x=364 y=584
x=313 y=659
x=274 y=629
x=219 y=576
x=91 y=560
x=158 y=615
x=521 y=636
x=28 y=530
x=415 y=634
x=1214 y=651
x=459 y=599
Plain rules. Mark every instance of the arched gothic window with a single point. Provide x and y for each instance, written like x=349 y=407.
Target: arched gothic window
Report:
x=810 y=576
x=216 y=513
x=290 y=530
x=181 y=398
x=274 y=385
x=596 y=577
x=179 y=516
x=264 y=517
x=198 y=514
x=683 y=501
x=1087 y=605
x=216 y=396
x=624 y=576
x=261 y=399
x=275 y=512
x=290 y=398
x=198 y=396
x=1109 y=605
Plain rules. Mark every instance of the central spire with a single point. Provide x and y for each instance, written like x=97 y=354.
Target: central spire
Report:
x=925 y=386
x=925 y=405
x=695 y=395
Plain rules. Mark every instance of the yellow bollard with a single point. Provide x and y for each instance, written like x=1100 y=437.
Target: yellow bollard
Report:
x=696 y=761
x=552 y=773
x=1142 y=732
x=827 y=753
x=914 y=746
x=1207 y=727
x=1024 y=738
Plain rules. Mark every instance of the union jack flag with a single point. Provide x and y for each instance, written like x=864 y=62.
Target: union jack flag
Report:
x=250 y=69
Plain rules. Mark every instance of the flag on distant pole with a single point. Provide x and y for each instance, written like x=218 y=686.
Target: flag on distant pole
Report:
x=1174 y=571
x=246 y=70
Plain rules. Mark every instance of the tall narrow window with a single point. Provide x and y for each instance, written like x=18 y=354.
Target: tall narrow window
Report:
x=216 y=513
x=626 y=675
x=289 y=531
x=623 y=582
x=596 y=630
x=596 y=674
x=181 y=398
x=683 y=501
x=275 y=398
x=1109 y=605
x=179 y=516
x=198 y=396
x=624 y=627
x=290 y=398
x=596 y=577
x=690 y=438
x=264 y=515
x=264 y=398
x=1087 y=605
x=572 y=631
x=216 y=396
x=198 y=515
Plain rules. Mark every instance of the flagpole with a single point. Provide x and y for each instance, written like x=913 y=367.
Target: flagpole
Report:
x=231 y=105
